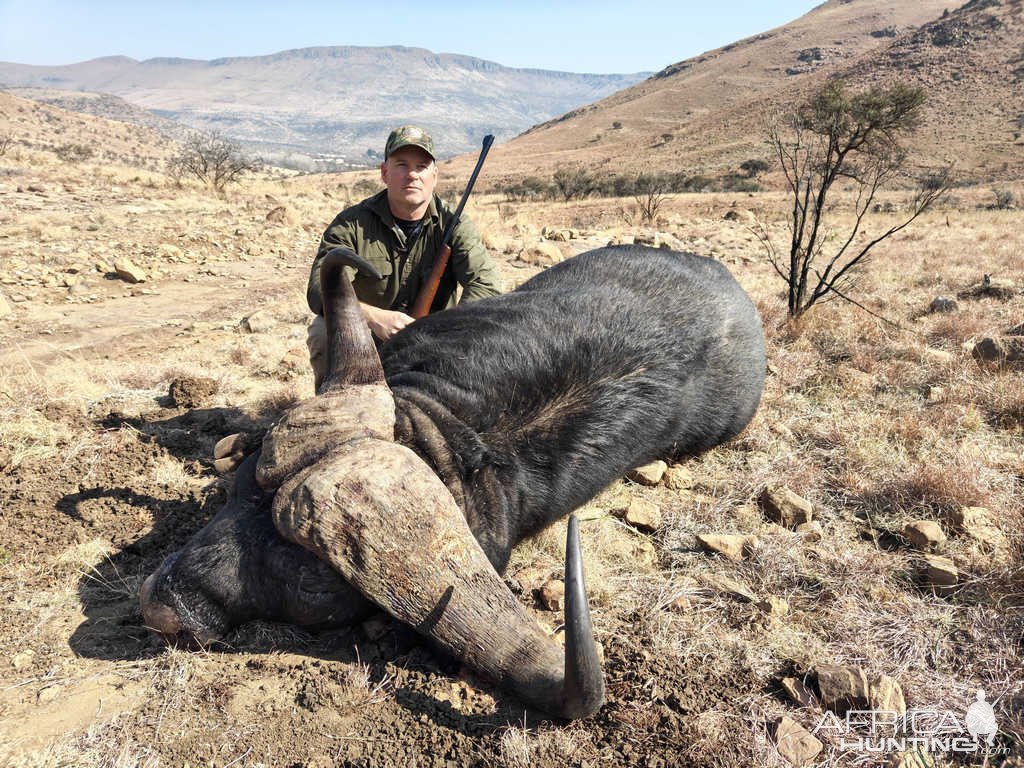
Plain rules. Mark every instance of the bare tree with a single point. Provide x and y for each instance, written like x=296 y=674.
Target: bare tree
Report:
x=212 y=159
x=649 y=191
x=854 y=138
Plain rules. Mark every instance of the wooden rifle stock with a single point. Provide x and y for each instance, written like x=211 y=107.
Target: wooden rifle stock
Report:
x=421 y=306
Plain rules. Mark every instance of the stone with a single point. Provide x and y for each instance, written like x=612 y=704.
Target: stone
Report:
x=552 y=595
x=5 y=308
x=643 y=514
x=784 y=507
x=192 y=391
x=977 y=524
x=925 y=535
x=1001 y=351
x=811 y=532
x=541 y=253
x=941 y=574
x=295 y=359
x=799 y=692
x=938 y=355
x=990 y=286
x=276 y=215
x=773 y=607
x=648 y=474
x=842 y=688
x=678 y=478
x=943 y=304
x=530 y=579
x=733 y=546
x=23 y=659
x=886 y=695
x=259 y=321
x=128 y=272
x=795 y=743
x=681 y=604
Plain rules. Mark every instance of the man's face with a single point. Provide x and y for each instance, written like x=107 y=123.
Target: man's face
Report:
x=410 y=175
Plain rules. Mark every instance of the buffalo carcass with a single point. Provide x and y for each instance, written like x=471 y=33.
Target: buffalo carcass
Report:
x=414 y=473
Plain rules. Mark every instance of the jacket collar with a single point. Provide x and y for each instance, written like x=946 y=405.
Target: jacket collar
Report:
x=379 y=205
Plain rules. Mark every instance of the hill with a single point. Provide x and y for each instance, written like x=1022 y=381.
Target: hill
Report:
x=706 y=114
x=334 y=101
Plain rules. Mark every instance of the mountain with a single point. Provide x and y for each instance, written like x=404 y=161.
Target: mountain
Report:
x=332 y=101
x=707 y=114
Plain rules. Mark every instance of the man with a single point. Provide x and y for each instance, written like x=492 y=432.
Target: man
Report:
x=399 y=232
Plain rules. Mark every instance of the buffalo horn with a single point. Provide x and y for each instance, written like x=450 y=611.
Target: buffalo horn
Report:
x=390 y=527
x=351 y=355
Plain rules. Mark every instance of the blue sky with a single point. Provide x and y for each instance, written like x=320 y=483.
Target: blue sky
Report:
x=600 y=37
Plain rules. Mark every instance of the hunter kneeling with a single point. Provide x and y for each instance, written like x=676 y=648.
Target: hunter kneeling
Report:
x=399 y=231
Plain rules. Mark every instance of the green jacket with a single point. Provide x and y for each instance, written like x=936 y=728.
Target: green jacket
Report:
x=369 y=229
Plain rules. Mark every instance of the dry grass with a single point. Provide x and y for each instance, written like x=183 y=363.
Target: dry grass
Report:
x=860 y=417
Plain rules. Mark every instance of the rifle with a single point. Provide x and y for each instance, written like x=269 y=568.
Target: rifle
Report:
x=421 y=306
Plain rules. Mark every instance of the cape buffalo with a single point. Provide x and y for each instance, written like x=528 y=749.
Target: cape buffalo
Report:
x=410 y=476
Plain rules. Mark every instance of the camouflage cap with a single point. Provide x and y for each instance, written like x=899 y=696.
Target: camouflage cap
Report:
x=409 y=136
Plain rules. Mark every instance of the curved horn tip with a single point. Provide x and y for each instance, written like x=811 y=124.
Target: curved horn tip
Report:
x=584 y=683
x=349 y=258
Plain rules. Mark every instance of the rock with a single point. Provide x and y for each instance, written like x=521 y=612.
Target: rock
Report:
x=276 y=215
x=733 y=546
x=648 y=474
x=938 y=355
x=680 y=604
x=842 y=688
x=23 y=659
x=651 y=239
x=1000 y=351
x=644 y=515
x=784 y=507
x=943 y=304
x=678 y=478
x=129 y=272
x=541 y=253
x=795 y=743
x=977 y=524
x=941 y=574
x=552 y=595
x=886 y=695
x=259 y=321
x=192 y=391
x=811 y=532
x=726 y=586
x=5 y=308
x=530 y=579
x=773 y=607
x=295 y=359
x=925 y=535
x=799 y=693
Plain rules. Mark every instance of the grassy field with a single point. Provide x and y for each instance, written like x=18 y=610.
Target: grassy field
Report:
x=877 y=423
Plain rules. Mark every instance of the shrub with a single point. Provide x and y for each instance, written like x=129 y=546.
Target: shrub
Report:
x=212 y=159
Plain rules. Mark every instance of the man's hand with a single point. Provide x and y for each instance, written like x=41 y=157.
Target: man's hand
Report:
x=384 y=323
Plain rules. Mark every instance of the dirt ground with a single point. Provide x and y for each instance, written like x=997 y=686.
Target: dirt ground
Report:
x=113 y=394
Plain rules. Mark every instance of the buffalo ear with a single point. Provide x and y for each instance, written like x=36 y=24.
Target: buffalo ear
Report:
x=390 y=527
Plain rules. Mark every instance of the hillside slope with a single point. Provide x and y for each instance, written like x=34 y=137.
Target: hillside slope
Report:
x=333 y=100
x=707 y=114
